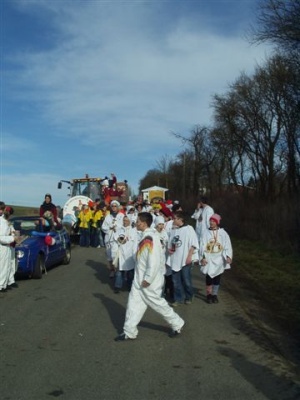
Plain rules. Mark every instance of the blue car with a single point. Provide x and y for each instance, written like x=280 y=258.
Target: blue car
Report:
x=39 y=250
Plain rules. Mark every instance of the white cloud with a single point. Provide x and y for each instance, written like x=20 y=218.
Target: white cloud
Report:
x=122 y=76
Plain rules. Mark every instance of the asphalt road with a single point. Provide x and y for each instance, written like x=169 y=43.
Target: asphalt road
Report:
x=57 y=342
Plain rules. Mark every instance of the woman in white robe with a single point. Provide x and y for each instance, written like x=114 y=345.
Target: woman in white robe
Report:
x=6 y=238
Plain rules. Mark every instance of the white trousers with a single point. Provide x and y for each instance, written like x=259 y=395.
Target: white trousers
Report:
x=138 y=302
x=13 y=266
x=5 y=263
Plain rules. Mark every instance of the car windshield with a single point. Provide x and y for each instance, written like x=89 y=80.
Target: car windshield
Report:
x=25 y=226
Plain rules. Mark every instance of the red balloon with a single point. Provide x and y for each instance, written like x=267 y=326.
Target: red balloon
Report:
x=49 y=240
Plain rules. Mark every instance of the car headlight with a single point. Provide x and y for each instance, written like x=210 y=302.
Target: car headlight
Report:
x=20 y=253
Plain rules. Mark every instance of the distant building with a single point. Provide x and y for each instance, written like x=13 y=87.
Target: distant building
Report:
x=154 y=192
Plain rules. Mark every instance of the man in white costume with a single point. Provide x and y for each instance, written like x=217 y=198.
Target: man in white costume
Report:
x=148 y=283
x=216 y=256
x=112 y=222
x=202 y=215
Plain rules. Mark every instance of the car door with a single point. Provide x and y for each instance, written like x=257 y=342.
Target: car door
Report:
x=54 y=249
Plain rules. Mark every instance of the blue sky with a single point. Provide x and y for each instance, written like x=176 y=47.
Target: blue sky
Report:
x=91 y=86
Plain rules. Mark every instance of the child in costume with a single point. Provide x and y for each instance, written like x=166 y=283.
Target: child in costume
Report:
x=215 y=253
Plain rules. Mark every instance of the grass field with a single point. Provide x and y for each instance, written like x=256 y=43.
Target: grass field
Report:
x=273 y=279
x=22 y=211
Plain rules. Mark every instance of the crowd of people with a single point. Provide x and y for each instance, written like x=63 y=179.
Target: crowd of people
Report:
x=150 y=249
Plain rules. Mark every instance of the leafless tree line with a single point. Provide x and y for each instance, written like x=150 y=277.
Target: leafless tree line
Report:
x=248 y=161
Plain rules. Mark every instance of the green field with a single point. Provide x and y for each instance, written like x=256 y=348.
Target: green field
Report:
x=273 y=279
x=22 y=211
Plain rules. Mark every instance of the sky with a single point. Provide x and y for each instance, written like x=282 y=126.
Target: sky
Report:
x=98 y=87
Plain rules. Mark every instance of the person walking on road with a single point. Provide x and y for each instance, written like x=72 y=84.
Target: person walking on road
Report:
x=215 y=257
x=112 y=222
x=124 y=261
x=183 y=250
x=148 y=283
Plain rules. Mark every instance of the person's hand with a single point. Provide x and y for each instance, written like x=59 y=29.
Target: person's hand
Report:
x=188 y=260
x=145 y=284
x=18 y=239
x=228 y=260
x=203 y=262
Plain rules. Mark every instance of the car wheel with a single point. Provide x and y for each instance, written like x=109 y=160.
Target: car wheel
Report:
x=39 y=267
x=67 y=257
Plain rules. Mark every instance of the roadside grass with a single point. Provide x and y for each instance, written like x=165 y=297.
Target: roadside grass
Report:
x=274 y=278
x=24 y=211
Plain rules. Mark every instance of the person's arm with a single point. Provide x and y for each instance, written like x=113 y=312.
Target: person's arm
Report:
x=54 y=212
x=227 y=249
x=106 y=224
x=153 y=248
x=190 y=255
x=197 y=212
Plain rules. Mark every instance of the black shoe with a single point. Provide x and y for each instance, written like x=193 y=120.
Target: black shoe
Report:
x=209 y=299
x=174 y=334
x=13 y=285
x=3 y=290
x=117 y=290
x=215 y=299
x=121 y=338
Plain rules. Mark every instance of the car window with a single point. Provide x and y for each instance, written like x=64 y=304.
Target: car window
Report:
x=25 y=227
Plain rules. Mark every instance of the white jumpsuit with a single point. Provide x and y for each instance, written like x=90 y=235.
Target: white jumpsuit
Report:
x=149 y=267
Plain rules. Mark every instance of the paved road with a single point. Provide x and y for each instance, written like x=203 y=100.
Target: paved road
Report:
x=57 y=341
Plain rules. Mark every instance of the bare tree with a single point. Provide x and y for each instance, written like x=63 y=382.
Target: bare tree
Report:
x=260 y=120
x=164 y=167
x=153 y=177
x=197 y=143
x=278 y=23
